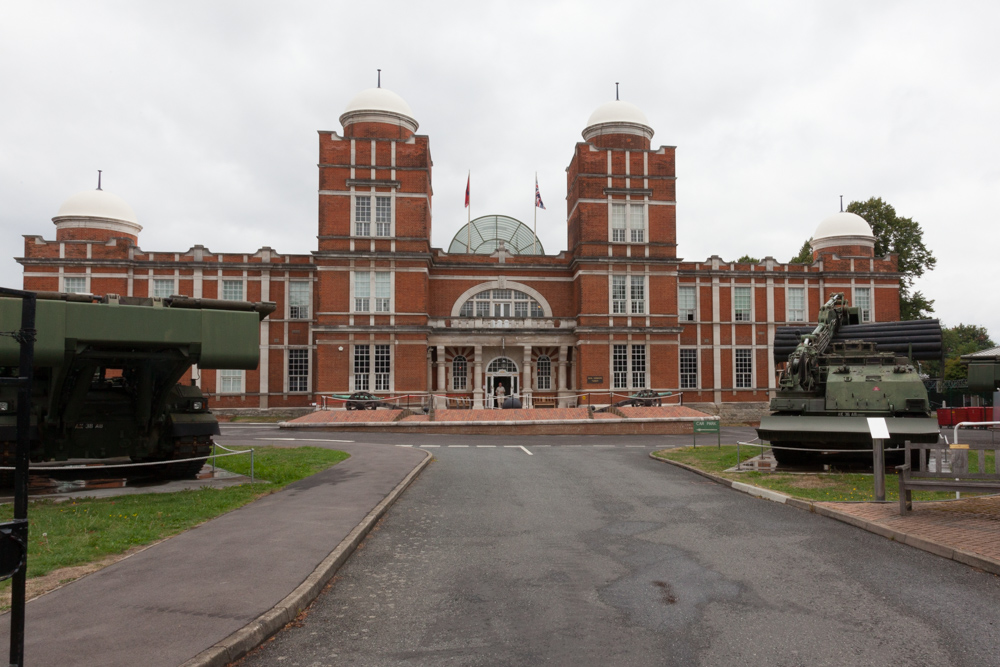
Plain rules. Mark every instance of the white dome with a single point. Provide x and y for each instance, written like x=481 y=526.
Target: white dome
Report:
x=843 y=224
x=618 y=112
x=97 y=209
x=617 y=117
x=843 y=229
x=379 y=105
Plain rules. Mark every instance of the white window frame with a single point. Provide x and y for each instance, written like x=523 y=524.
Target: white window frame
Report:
x=685 y=314
x=226 y=376
x=795 y=314
x=383 y=223
x=362 y=292
x=66 y=288
x=743 y=379
x=628 y=221
x=368 y=295
x=864 y=314
x=738 y=314
x=633 y=303
x=298 y=354
x=489 y=302
x=383 y=291
x=361 y=216
x=231 y=282
x=629 y=371
x=375 y=374
x=153 y=284
x=543 y=372
x=299 y=311
x=459 y=363
x=688 y=378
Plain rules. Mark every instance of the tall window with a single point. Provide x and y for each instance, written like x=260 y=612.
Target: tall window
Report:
x=744 y=368
x=459 y=373
x=863 y=300
x=501 y=303
x=362 y=367
x=638 y=295
x=543 y=371
x=741 y=304
x=163 y=287
x=382 y=291
x=383 y=365
x=369 y=377
x=624 y=365
x=362 y=216
x=298 y=299
x=362 y=291
x=75 y=285
x=298 y=370
x=638 y=366
x=230 y=382
x=689 y=369
x=232 y=290
x=383 y=216
x=628 y=223
x=796 y=298
x=618 y=294
x=686 y=304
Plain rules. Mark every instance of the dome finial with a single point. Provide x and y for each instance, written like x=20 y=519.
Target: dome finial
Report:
x=841 y=203
x=616 y=91
x=98 y=179
x=379 y=78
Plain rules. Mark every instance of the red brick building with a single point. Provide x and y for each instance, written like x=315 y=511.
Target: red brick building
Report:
x=376 y=307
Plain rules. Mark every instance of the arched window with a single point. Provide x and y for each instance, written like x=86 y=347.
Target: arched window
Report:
x=459 y=372
x=501 y=303
x=502 y=365
x=543 y=371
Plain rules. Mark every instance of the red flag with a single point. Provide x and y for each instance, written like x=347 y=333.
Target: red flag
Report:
x=467 y=184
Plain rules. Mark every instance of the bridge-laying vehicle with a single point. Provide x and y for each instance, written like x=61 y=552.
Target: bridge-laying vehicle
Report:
x=106 y=374
x=839 y=374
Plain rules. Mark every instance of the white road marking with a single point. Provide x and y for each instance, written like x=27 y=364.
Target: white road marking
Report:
x=404 y=445
x=303 y=440
x=456 y=445
x=640 y=446
x=602 y=445
x=481 y=446
x=430 y=445
x=519 y=447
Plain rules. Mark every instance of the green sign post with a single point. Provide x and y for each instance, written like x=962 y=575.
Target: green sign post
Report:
x=707 y=426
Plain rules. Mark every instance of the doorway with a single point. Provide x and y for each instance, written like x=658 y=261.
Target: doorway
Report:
x=501 y=372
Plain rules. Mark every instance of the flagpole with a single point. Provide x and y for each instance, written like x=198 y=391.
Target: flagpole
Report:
x=468 y=211
x=534 y=205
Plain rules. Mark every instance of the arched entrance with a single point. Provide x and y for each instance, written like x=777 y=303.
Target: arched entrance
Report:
x=502 y=371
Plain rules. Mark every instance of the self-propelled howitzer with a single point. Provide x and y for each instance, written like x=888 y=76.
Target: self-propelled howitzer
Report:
x=107 y=369
x=839 y=375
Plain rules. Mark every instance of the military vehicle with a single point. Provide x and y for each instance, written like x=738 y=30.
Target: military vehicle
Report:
x=841 y=373
x=106 y=375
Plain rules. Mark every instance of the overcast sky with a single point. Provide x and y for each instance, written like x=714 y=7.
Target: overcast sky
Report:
x=203 y=116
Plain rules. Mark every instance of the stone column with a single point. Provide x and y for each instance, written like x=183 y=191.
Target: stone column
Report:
x=526 y=381
x=430 y=376
x=562 y=391
x=441 y=402
x=477 y=379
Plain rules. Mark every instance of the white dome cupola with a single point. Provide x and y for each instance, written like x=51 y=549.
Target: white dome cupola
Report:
x=843 y=229
x=617 y=117
x=379 y=105
x=97 y=209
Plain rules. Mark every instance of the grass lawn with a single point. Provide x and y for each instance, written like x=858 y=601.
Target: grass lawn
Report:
x=76 y=532
x=832 y=486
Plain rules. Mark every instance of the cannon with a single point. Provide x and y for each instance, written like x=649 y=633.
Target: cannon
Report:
x=106 y=374
x=843 y=372
x=646 y=398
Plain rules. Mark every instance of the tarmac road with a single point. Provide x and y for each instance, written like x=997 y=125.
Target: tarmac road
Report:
x=583 y=551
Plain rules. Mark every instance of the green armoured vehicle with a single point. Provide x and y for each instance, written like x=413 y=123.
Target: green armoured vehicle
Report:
x=830 y=387
x=106 y=375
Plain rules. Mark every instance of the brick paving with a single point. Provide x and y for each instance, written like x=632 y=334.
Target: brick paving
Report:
x=969 y=524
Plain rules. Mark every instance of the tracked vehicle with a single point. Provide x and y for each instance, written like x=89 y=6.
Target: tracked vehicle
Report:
x=106 y=375
x=841 y=373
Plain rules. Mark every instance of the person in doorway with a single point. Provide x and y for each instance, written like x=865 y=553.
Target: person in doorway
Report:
x=500 y=392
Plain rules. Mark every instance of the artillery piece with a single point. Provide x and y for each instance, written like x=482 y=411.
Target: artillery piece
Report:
x=841 y=373
x=106 y=375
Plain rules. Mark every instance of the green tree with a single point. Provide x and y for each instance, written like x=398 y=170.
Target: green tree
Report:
x=904 y=238
x=805 y=255
x=747 y=259
x=960 y=340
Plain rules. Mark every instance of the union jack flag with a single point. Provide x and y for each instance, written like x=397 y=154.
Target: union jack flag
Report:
x=467 y=184
x=538 y=196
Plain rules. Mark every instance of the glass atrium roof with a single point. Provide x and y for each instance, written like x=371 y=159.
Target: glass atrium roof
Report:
x=487 y=232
